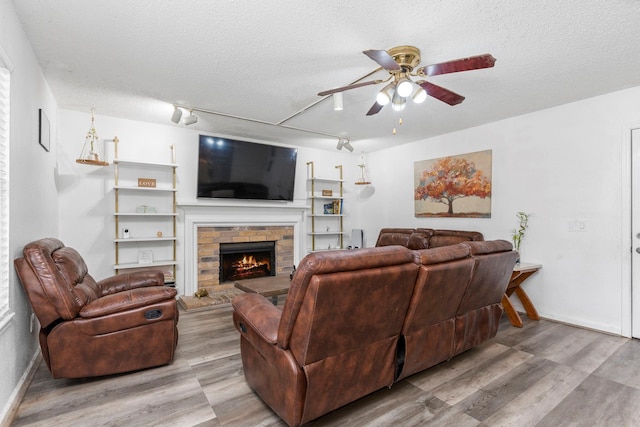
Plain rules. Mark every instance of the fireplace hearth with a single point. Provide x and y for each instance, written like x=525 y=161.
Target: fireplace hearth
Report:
x=247 y=260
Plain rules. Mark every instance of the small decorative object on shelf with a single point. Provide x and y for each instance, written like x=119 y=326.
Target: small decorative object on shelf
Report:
x=364 y=179
x=327 y=193
x=145 y=257
x=93 y=149
x=518 y=234
x=147 y=182
x=146 y=209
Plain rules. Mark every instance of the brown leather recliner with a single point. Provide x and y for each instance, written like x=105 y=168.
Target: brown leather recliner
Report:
x=87 y=328
x=335 y=339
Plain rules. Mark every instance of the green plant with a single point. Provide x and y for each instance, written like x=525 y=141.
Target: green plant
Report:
x=518 y=234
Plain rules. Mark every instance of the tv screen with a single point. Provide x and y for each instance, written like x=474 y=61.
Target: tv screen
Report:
x=229 y=168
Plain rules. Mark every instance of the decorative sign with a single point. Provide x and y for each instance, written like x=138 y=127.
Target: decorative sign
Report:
x=327 y=193
x=145 y=257
x=147 y=182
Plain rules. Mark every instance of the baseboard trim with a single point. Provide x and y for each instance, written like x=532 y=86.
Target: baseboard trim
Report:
x=11 y=408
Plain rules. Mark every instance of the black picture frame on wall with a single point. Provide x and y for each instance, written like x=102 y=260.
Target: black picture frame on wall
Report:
x=44 y=136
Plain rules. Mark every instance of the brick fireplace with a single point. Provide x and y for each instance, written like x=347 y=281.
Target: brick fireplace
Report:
x=210 y=238
x=205 y=226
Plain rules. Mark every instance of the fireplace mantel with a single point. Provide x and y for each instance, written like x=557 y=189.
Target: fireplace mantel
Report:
x=221 y=214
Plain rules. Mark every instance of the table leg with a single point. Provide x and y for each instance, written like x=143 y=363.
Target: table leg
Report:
x=274 y=299
x=512 y=314
x=532 y=313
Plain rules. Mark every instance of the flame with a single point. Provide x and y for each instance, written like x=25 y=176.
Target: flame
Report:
x=247 y=263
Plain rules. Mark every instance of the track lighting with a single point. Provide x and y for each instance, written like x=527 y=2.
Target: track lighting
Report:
x=177 y=114
x=343 y=142
x=191 y=118
x=338 y=101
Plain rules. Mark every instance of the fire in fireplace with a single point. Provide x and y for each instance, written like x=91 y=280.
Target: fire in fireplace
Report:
x=247 y=260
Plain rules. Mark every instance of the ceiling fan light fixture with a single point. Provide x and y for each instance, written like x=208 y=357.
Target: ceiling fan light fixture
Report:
x=398 y=103
x=176 y=115
x=419 y=96
x=405 y=87
x=386 y=93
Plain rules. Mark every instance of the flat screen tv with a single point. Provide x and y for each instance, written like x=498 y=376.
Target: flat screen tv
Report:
x=234 y=169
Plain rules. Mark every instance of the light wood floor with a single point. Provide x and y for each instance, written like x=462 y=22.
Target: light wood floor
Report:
x=545 y=374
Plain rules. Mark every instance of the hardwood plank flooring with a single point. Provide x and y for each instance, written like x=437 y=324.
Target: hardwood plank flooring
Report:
x=544 y=374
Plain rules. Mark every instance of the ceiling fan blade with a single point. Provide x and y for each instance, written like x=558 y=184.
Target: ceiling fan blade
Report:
x=349 y=87
x=375 y=109
x=444 y=95
x=457 y=65
x=383 y=59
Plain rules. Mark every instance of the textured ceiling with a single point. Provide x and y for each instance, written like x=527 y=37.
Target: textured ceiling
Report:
x=266 y=60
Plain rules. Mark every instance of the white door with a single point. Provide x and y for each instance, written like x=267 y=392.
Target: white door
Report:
x=635 y=230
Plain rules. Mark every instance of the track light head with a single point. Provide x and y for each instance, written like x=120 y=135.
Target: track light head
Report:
x=338 y=104
x=343 y=142
x=177 y=114
x=190 y=119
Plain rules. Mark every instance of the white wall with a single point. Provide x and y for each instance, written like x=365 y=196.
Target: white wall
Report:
x=86 y=199
x=33 y=195
x=559 y=164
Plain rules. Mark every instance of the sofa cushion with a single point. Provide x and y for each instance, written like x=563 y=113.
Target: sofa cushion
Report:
x=452 y=237
x=394 y=236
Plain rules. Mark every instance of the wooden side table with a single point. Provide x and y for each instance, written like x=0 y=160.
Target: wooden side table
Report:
x=521 y=272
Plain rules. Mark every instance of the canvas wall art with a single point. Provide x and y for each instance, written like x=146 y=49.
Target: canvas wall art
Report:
x=454 y=186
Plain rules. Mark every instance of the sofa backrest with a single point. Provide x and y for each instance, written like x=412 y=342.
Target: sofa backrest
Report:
x=407 y=237
x=442 y=281
x=55 y=279
x=340 y=301
x=451 y=237
x=494 y=262
x=424 y=238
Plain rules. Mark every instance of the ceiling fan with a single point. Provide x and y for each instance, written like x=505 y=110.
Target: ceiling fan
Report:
x=400 y=62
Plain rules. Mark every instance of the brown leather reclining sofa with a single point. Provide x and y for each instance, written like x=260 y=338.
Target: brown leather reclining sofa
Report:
x=357 y=321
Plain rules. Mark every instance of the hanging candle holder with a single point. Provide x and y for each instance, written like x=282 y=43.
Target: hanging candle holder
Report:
x=364 y=179
x=93 y=148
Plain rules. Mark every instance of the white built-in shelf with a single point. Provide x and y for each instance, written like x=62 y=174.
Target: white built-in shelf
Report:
x=142 y=164
x=327 y=197
x=120 y=187
x=143 y=265
x=145 y=214
x=144 y=239
x=326 y=233
x=326 y=180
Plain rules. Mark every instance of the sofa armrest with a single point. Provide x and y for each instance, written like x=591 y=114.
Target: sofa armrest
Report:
x=125 y=282
x=255 y=316
x=126 y=300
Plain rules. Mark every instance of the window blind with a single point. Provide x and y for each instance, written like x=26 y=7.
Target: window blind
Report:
x=4 y=192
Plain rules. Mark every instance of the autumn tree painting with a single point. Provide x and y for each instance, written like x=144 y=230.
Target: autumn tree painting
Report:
x=448 y=179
